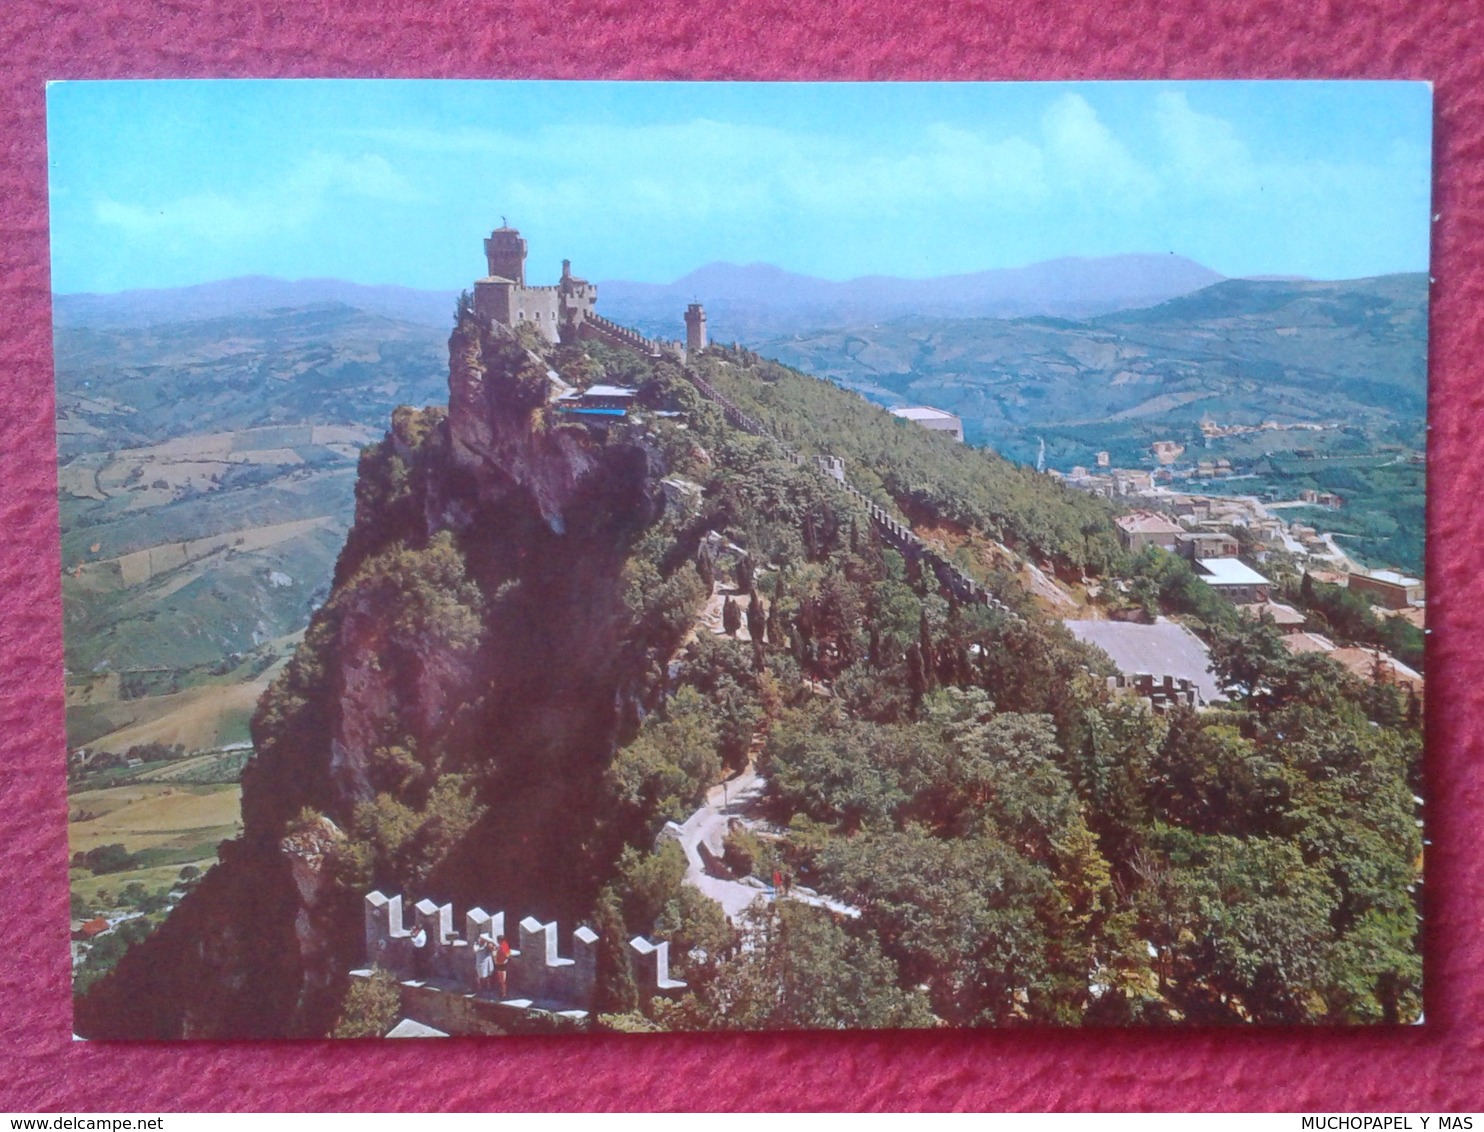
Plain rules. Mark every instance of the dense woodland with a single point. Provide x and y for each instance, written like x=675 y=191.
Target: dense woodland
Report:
x=1022 y=848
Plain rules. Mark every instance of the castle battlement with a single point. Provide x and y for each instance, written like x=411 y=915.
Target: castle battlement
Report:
x=564 y=311
x=1162 y=692
x=538 y=973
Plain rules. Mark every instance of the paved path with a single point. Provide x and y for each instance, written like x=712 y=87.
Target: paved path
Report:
x=703 y=836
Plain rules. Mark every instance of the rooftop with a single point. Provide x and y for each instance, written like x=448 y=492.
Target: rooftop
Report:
x=409 y=1028
x=923 y=413
x=1393 y=577
x=1329 y=577
x=1308 y=642
x=1279 y=613
x=1149 y=523
x=614 y=391
x=1359 y=662
x=1162 y=649
x=1229 y=572
x=1364 y=662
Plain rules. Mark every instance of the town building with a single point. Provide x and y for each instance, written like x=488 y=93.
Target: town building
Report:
x=607 y=398
x=934 y=420
x=1139 y=529
x=1233 y=579
x=90 y=929
x=1328 y=577
x=1132 y=482
x=1375 y=665
x=1388 y=588
x=1365 y=664
x=1167 y=451
x=1285 y=618
x=1207 y=544
x=1211 y=469
x=1322 y=498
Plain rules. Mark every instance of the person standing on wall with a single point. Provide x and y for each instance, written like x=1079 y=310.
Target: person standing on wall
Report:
x=502 y=962
x=484 y=963
x=419 y=948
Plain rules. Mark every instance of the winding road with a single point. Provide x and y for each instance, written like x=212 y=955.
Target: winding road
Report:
x=702 y=837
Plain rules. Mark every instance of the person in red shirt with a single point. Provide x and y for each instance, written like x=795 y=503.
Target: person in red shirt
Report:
x=502 y=961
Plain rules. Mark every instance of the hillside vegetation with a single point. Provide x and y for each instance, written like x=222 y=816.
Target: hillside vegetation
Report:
x=506 y=696
x=207 y=472
x=928 y=476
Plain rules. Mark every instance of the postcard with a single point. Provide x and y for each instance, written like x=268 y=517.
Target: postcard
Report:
x=549 y=557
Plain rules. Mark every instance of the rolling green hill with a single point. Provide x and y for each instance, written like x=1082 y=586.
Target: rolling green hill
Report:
x=206 y=472
x=1349 y=353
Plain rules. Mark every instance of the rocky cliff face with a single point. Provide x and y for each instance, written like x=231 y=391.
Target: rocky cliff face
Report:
x=445 y=724
x=495 y=393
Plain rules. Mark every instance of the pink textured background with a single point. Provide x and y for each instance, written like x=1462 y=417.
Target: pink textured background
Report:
x=1433 y=1067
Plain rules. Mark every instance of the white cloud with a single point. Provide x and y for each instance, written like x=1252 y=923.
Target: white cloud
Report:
x=1085 y=155
x=1204 y=151
x=703 y=169
x=290 y=203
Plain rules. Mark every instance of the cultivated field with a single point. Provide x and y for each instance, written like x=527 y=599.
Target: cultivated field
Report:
x=175 y=820
x=198 y=719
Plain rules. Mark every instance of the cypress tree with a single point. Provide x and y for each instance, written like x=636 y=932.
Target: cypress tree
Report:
x=926 y=652
x=756 y=622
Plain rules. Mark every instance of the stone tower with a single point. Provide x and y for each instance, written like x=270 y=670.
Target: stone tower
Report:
x=506 y=253
x=695 y=328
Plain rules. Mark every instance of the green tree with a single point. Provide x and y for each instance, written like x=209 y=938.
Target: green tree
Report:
x=665 y=771
x=800 y=970
x=966 y=917
x=371 y=1007
x=1243 y=928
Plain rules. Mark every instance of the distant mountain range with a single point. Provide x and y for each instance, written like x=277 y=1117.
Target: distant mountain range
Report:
x=1351 y=353
x=761 y=300
x=246 y=296
x=744 y=303
x=1112 y=350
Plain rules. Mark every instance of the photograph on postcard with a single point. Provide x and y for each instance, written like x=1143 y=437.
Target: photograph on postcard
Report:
x=546 y=557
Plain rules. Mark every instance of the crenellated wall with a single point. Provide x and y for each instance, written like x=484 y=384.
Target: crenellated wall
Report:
x=894 y=533
x=600 y=329
x=1162 y=692
x=538 y=973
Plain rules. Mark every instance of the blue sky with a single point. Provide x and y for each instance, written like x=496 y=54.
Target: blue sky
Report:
x=159 y=184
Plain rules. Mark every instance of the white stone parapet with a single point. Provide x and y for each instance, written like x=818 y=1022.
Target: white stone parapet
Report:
x=537 y=972
x=652 y=966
